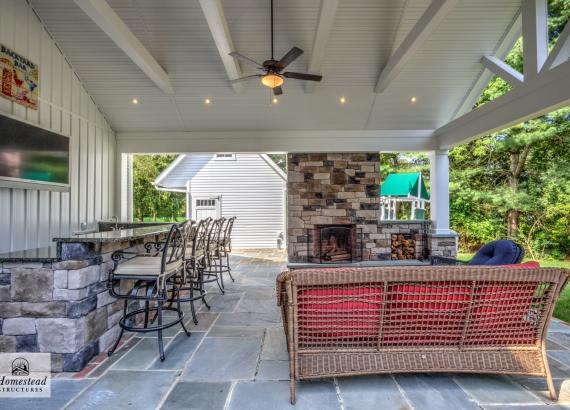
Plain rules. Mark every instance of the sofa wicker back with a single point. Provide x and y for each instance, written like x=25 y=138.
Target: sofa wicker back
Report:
x=482 y=319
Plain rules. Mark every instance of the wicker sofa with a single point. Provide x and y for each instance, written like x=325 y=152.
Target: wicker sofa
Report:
x=473 y=319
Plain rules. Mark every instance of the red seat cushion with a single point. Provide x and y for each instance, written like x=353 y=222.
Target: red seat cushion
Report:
x=420 y=314
x=531 y=264
x=502 y=314
x=346 y=314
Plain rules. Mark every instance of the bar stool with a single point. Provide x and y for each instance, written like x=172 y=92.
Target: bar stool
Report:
x=192 y=278
x=225 y=247
x=211 y=269
x=155 y=274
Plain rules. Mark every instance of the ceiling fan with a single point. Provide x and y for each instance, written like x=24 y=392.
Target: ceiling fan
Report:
x=272 y=76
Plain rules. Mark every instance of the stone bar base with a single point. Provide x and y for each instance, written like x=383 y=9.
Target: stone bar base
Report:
x=62 y=308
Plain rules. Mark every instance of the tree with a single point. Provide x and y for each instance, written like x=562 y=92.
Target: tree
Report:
x=148 y=201
x=497 y=173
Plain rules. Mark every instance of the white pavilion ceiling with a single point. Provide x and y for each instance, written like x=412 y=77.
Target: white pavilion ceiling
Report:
x=365 y=34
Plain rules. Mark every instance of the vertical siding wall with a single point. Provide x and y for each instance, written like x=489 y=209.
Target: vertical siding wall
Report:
x=31 y=218
x=249 y=189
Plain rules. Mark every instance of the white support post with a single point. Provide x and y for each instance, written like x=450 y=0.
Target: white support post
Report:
x=535 y=36
x=439 y=186
x=124 y=207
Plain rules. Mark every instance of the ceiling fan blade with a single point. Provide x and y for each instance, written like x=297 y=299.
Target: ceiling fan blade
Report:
x=277 y=90
x=303 y=76
x=288 y=58
x=235 y=54
x=247 y=77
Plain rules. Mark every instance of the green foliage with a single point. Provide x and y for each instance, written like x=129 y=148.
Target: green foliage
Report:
x=516 y=182
x=279 y=159
x=150 y=203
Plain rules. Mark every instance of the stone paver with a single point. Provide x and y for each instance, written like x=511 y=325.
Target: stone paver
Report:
x=491 y=389
x=62 y=391
x=434 y=391
x=119 y=389
x=366 y=392
x=236 y=358
x=273 y=370
x=197 y=396
x=265 y=395
x=222 y=358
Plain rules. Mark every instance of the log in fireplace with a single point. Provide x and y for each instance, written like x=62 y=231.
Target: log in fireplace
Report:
x=335 y=243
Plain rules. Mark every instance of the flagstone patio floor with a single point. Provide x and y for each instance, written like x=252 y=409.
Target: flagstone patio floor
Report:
x=236 y=358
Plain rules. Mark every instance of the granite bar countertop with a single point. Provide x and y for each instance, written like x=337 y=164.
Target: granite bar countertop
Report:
x=82 y=245
x=120 y=235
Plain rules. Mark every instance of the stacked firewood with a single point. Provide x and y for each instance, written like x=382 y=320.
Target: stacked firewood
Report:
x=403 y=247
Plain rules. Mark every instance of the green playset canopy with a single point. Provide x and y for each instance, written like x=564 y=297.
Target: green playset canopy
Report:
x=404 y=185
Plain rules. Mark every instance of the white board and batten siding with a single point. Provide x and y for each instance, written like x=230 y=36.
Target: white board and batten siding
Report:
x=31 y=218
x=248 y=186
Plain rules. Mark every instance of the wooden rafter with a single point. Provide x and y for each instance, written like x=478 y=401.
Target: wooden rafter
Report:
x=420 y=33
x=535 y=36
x=322 y=34
x=105 y=17
x=561 y=50
x=214 y=12
x=503 y=70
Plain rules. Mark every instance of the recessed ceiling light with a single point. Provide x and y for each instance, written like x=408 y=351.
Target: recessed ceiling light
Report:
x=207 y=101
x=274 y=100
x=135 y=101
x=413 y=99
x=342 y=100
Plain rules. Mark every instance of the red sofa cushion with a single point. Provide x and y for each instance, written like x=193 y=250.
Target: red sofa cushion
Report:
x=531 y=264
x=424 y=314
x=502 y=314
x=347 y=314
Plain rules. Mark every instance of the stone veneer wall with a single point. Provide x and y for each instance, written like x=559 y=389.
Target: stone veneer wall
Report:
x=332 y=189
x=342 y=188
x=62 y=308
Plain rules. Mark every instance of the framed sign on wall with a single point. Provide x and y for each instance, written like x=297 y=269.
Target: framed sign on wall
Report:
x=18 y=78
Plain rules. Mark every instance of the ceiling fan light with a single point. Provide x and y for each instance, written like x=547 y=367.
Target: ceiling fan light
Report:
x=272 y=80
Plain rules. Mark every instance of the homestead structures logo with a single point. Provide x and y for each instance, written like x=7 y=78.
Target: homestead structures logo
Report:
x=25 y=375
x=20 y=367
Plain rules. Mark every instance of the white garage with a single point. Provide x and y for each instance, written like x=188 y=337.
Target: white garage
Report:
x=249 y=186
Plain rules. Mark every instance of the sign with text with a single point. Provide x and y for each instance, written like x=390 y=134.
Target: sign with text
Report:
x=18 y=78
x=25 y=375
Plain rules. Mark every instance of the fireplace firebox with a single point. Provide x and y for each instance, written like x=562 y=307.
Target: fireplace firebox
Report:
x=336 y=243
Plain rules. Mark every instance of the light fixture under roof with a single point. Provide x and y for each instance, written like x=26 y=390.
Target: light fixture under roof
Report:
x=342 y=99
x=272 y=80
x=135 y=101
x=413 y=99
x=274 y=100
x=207 y=101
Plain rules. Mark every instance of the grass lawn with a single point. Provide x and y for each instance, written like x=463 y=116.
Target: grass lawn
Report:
x=562 y=308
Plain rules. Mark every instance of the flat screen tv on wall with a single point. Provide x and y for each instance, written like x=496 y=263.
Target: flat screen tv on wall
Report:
x=32 y=157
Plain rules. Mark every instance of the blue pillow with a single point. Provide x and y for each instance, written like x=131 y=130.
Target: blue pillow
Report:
x=501 y=252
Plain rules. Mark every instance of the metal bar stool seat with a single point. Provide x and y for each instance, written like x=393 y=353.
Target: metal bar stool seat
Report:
x=156 y=275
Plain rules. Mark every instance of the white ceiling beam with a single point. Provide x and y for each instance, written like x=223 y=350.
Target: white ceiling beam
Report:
x=537 y=96
x=420 y=33
x=105 y=17
x=560 y=52
x=276 y=141
x=322 y=34
x=535 y=36
x=214 y=12
x=505 y=46
x=503 y=70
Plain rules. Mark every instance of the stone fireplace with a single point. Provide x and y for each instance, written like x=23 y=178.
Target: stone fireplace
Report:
x=335 y=243
x=334 y=213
